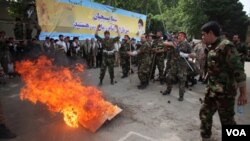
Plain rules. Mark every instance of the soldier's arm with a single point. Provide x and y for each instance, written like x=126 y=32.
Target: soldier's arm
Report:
x=142 y=49
x=118 y=31
x=96 y=33
x=116 y=39
x=237 y=67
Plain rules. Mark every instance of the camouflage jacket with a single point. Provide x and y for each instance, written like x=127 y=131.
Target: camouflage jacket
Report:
x=224 y=67
x=107 y=44
x=158 y=44
x=173 y=57
x=144 y=53
x=125 y=47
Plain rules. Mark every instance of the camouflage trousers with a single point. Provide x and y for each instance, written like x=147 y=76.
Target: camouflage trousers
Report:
x=221 y=102
x=107 y=62
x=1 y=114
x=179 y=73
x=159 y=62
x=125 y=64
x=200 y=64
x=143 y=71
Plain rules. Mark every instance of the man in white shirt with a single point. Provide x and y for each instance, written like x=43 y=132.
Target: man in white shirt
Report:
x=60 y=54
x=61 y=44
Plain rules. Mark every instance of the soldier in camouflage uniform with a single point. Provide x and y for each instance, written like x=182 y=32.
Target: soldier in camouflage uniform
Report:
x=241 y=48
x=177 y=61
x=18 y=29
x=144 y=61
x=225 y=72
x=158 y=57
x=108 y=53
x=125 y=58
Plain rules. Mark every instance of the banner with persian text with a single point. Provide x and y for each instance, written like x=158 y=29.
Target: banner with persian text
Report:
x=80 y=18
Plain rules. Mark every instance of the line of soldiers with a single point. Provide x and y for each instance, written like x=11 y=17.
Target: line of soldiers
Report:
x=149 y=56
x=224 y=69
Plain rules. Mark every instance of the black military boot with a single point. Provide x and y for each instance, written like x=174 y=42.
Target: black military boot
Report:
x=112 y=81
x=6 y=133
x=143 y=86
x=180 y=98
x=124 y=76
x=166 y=92
x=100 y=83
x=139 y=86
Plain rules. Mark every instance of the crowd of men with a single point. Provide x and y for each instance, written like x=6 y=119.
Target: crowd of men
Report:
x=213 y=60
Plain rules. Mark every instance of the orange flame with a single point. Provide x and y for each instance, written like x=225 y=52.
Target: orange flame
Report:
x=61 y=91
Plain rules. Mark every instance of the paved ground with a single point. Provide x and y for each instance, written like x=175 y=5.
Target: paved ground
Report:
x=146 y=116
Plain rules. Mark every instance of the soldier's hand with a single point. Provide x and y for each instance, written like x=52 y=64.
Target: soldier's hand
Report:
x=242 y=99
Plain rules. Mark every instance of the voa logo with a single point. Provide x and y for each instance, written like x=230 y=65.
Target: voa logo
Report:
x=236 y=132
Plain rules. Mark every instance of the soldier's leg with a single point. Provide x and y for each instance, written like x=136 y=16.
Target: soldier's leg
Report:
x=226 y=110
x=160 y=65
x=169 y=82
x=144 y=79
x=111 y=69
x=127 y=66
x=182 y=82
x=123 y=66
x=103 y=70
x=152 y=69
x=140 y=75
x=207 y=111
x=182 y=77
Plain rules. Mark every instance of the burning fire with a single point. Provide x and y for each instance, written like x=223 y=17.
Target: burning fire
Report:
x=62 y=91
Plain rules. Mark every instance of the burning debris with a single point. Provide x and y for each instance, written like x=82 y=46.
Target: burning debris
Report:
x=63 y=92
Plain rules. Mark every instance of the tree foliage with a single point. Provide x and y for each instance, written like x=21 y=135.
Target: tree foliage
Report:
x=16 y=8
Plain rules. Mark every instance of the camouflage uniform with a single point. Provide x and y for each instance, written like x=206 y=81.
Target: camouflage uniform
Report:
x=108 y=59
x=158 y=59
x=124 y=58
x=224 y=71
x=144 y=62
x=178 y=67
x=18 y=31
x=242 y=50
